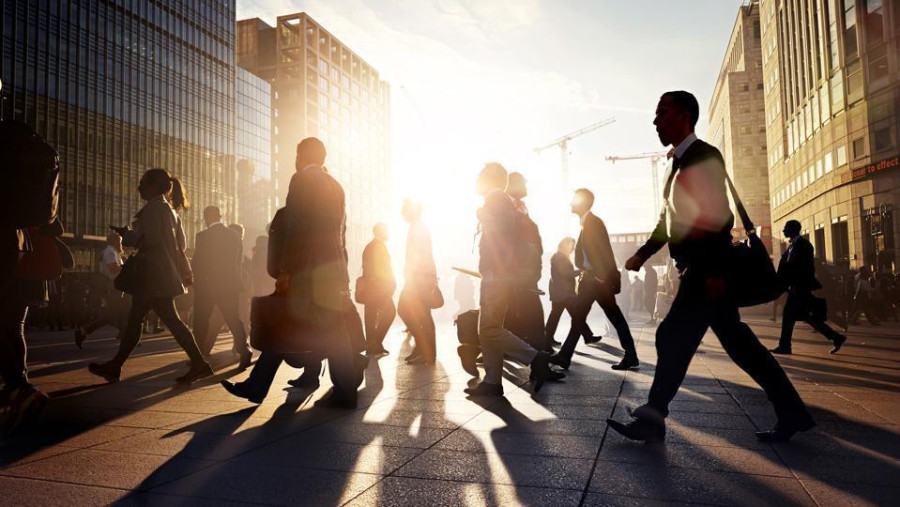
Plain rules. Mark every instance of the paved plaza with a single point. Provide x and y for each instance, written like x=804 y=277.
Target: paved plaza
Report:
x=417 y=440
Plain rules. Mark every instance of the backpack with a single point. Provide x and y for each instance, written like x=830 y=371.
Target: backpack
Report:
x=31 y=187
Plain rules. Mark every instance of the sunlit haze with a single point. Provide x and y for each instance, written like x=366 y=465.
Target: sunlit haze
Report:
x=476 y=81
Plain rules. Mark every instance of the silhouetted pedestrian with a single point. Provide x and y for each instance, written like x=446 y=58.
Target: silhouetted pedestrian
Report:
x=418 y=294
x=563 y=277
x=599 y=283
x=263 y=284
x=312 y=274
x=797 y=277
x=651 y=286
x=696 y=223
x=160 y=273
x=498 y=250
x=115 y=306
x=217 y=265
x=378 y=301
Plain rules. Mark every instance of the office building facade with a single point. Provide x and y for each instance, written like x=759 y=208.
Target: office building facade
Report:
x=831 y=73
x=322 y=88
x=253 y=153
x=118 y=87
x=737 y=120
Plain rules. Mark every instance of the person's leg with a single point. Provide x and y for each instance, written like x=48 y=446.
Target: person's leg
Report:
x=677 y=339
x=133 y=330
x=745 y=349
x=497 y=341
x=556 y=310
x=386 y=316
x=229 y=305
x=607 y=302
x=262 y=374
x=370 y=316
x=579 y=310
x=429 y=334
x=788 y=321
x=354 y=325
x=203 y=307
x=165 y=309
x=825 y=330
x=343 y=367
x=13 y=350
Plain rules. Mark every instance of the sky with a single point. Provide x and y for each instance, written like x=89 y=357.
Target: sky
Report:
x=474 y=81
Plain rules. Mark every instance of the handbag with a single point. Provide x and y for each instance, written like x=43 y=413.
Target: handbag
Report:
x=286 y=325
x=44 y=262
x=361 y=291
x=434 y=299
x=130 y=279
x=751 y=274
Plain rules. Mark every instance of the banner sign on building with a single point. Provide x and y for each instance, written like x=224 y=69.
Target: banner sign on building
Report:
x=876 y=167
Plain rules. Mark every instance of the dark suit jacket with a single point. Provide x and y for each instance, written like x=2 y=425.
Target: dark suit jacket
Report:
x=159 y=238
x=593 y=243
x=796 y=271
x=562 y=278
x=314 y=250
x=218 y=254
x=376 y=267
x=697 y=221
x=497 y=247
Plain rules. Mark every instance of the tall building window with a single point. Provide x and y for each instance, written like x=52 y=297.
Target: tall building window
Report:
x=829 y=163
x=859 y=148
x=832 y=15
x=837 y=92
x=841 y=155
x=883 y=139
x=851 y=45
x=874 y=22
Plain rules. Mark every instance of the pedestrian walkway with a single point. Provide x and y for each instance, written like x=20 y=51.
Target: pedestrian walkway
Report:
x=417 y=440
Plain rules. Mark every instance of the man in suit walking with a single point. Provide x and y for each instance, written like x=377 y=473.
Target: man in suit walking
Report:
x=696 y=224
x=313 y=274
x=797 y=276
x=600 y=282
x=218 y=254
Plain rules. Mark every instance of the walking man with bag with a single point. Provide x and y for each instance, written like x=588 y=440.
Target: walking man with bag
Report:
x=797 y=277
x=311 y=262
x=696 y=223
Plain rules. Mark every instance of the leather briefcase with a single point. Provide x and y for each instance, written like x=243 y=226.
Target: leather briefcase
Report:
x=286 y=325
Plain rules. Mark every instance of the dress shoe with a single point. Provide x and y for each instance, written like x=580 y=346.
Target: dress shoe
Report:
x=562 y=362
x=80 y=336
x=781 y=350
x=305 y=381
x=109 y=371
x=379 y=352
x=640 y=430
x=838 y=343
x=541 y=372
x=25 y=407
x=467 y=355
x=782 y=432
x=334 y=400
x=420 y=360
x=556 y=343
x=485 y=389
x=626 y=363
x=197 y=372
x=240 y=390
x=246 y=361
x=592 y=340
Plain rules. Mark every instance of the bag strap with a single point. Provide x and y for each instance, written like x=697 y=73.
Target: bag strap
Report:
x=749 y=227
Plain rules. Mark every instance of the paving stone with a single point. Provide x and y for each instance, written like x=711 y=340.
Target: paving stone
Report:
x=539 y=471
x=28 y=492
x=565 y=446
x=304 y=452
x=409 y=492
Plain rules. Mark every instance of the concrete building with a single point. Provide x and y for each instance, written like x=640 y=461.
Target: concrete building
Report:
x=322 y=88
x=253 y=152
x=831 y=74
x=118 y=88
x=737 y=120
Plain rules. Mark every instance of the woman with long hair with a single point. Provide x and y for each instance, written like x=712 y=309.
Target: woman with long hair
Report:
x=161 y=273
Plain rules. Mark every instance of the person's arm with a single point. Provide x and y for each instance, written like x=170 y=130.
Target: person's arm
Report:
x=603 y=253
x=658 y=239
x=187 y=274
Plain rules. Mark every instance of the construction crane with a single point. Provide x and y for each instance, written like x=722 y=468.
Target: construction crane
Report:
x=655 y=159
x=563 y=144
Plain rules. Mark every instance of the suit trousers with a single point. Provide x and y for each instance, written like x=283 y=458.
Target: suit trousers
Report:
x=556 y=310
x=589 y=292
x=165 y=309
x=797 y=308
x=525 y=316
x=228 y=302
x=379 y=316
x=498 y=342
x=681 y=332
x=13 y=350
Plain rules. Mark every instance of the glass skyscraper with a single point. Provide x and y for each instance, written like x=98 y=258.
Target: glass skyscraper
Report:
x=118 y=87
